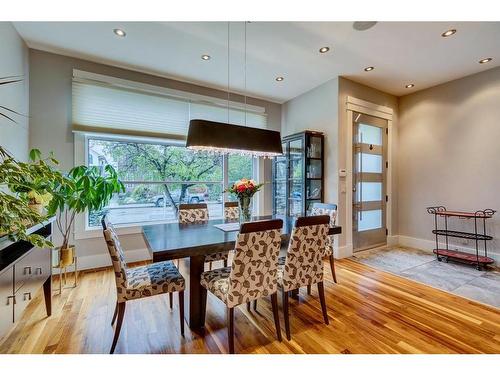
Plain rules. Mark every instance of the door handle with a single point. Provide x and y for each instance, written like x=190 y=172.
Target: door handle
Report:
x=38 y=269
x=13 y=300
x=361 y=178
x=27 y=270
x=29 y=296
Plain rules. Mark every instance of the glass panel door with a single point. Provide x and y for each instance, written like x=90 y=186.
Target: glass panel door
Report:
x=280 y=181
x=369 y=172
x=296 y=180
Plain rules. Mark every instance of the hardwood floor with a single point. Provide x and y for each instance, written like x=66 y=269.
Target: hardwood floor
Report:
x=370 y=311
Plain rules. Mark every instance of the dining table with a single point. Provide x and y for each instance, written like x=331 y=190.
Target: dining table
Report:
x=190 y=243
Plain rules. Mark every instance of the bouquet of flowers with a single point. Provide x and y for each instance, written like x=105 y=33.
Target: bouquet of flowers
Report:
x=244 y=190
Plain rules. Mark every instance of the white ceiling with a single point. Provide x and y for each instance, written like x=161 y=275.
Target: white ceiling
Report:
x=401 y=52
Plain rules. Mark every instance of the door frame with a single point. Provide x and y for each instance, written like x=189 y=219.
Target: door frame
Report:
x=362 y=106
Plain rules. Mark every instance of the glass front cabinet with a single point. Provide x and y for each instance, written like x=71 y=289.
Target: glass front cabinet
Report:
x=298 y=174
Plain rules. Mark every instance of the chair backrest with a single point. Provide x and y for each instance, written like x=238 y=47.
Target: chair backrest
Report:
x=329 y=209
x=255 y=262
x=116 y=253
x=193 y=213
x=304 y=258
x=231 y=211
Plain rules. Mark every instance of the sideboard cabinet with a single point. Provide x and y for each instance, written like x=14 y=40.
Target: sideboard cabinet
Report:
x=24 y=269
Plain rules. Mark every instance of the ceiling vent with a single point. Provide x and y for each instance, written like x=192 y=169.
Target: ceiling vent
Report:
x=363 y=25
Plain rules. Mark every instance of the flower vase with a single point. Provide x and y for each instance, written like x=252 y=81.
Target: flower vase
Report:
x=245 y=205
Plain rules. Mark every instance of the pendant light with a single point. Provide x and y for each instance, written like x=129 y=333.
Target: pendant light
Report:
x=227 y=138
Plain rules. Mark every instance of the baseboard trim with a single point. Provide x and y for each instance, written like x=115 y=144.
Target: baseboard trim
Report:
x=342 y=251
x=103 y=260
x=428 y=245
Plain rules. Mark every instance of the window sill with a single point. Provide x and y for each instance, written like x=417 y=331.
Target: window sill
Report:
x=120 y=229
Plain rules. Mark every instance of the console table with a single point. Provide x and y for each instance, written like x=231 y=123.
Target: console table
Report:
x=24 y=269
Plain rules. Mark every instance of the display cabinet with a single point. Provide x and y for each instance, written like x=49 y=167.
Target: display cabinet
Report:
x=298 y=174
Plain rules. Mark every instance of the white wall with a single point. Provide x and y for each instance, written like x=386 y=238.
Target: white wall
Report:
x=14 y=62
x=50 y=130
x=449 y=145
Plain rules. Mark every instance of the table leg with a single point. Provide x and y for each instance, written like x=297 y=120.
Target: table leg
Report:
x=195 y=303
x=295 y=294
x=47 y=293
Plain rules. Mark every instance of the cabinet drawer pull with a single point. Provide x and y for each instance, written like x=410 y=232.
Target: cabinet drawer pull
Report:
x=27 y=270
x=38 y=271
x=13 y=300
x=27 y=294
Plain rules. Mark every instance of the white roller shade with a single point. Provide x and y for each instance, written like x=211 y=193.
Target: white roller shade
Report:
x=109 y=109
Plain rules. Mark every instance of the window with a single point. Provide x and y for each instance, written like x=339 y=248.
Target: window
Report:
x=160 y=176
x=157 y=177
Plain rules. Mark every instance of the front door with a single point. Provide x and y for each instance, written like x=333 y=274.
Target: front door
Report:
x=369 y=181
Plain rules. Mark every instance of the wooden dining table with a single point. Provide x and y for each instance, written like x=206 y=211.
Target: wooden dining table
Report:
x=190 y=243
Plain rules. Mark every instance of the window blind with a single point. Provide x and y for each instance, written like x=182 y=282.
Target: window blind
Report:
x=116 y=110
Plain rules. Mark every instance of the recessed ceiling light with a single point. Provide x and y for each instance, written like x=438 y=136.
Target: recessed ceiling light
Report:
x=205 y=57
x=448 y=33
x=279 y=79
x=119 y=32
x=484 y=61
x=409 y=86
x=324 y=49
x=369 y=68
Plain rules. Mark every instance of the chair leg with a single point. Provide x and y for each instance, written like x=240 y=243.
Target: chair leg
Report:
x=309 y=289
x=274 y=302
x=170 y=298
x=321 y=292
x=210 y=266
x=286 y=315
x=230 y=329
x=248 y=306
x=114 y=314
x=181 y=311
x=203 y=296
x=332 y=267
x=121 y=313
x=255 y=305
x=225 y=262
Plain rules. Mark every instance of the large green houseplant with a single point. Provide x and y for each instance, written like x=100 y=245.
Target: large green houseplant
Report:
x=25 y=188
x=89 y=188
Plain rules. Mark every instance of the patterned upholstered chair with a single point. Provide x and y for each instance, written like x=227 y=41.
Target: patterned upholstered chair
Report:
x=303 y=265
x=329 y=209
x=139 y=282
x=198 y=213
x=231 y=211
x=253 y=273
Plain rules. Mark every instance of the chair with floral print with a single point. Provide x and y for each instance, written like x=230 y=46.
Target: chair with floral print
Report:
x=196 y=213
x=139 y=282
x=303 y=265
x=231 y=211
x=329 y=209
x=253 y=273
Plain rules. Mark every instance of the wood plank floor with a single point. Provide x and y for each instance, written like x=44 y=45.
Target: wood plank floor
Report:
x=370 y=311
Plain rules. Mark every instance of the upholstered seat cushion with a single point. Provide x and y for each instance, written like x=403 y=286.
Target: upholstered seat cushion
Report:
x=217 y=282
x=217 y=256
x=156 y=278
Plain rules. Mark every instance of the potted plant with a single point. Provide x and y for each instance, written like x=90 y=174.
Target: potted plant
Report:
x=89 y=188
x=244 y=190
x=25 y=189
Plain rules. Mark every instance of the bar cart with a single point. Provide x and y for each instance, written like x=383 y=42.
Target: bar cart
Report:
x=479 y=235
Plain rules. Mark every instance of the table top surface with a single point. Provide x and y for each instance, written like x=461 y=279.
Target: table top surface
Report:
x=175 y=240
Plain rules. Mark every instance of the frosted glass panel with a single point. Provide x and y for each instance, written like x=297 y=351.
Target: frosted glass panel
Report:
x=369 y=220
x=371 y=191
x=371 y=163
x=370 y=134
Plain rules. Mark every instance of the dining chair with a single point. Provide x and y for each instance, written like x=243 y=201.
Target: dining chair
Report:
x=231 y=211
x=253 y=272
x=139 y=282
x=329 y=209
x=192 y=213
x=303 y=264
